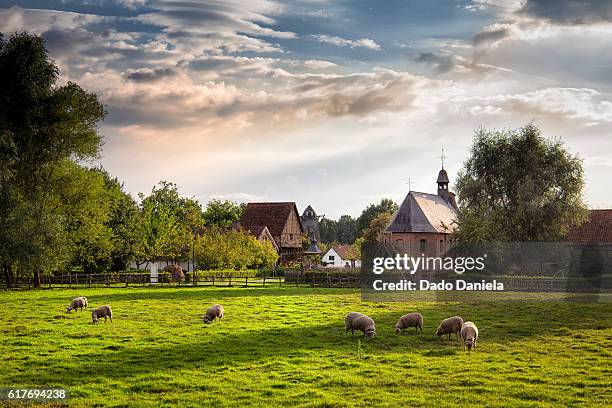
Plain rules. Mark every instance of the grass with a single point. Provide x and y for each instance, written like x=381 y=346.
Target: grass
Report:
x=286 y=347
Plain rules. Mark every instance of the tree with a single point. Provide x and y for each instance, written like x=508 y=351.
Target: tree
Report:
x=518 y=186
x=374 y=232
x=222 y=213
x=328 y=230
x=168 y=223
x=372 y=211
x=346 y=229
x=43 y=128
x=216 y=248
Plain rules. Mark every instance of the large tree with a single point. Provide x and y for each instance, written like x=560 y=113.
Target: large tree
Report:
x=519 y=186
x=222 y=213
x=44 y=130
x=386 y=205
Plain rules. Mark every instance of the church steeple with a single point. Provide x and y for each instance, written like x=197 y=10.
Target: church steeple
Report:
x=443 y=179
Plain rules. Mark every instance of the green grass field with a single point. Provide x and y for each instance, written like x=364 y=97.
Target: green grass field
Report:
x=286 y=347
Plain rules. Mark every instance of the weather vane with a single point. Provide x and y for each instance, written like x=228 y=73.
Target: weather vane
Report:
x=442 y=158
x=409 y=188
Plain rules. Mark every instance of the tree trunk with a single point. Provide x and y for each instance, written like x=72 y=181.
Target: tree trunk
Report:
x=8 y=275
x=37 y=278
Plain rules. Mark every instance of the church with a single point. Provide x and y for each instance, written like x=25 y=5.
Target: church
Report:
x=424 y=222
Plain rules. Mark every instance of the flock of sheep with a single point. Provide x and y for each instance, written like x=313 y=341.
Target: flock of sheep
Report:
x=467 y=331
x=96 y=314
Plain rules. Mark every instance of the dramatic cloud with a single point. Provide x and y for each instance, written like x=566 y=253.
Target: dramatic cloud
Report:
x=266 y=100
x=343 y=42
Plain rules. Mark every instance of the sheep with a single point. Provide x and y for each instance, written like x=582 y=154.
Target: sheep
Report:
x=102 y=311
x=77 y=303
x=213 y=312
x=450 y=325
x=358 y=321
x=409 y=320
x=469 y=334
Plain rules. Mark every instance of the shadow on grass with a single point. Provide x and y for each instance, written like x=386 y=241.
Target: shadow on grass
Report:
x=222 y=345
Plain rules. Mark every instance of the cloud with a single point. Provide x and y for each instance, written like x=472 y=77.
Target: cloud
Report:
x=148 y=74
x=343 y=42
x=568 y=12
x=440 y=62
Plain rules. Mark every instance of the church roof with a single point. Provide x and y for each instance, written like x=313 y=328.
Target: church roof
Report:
x=442 y=177
x=423 y=212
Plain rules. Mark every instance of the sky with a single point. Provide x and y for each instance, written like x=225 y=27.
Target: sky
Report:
x=336 y=104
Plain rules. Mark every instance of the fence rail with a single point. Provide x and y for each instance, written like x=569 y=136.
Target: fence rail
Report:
x=293 y=278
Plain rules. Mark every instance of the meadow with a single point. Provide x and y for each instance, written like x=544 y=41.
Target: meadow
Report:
x=287 y=347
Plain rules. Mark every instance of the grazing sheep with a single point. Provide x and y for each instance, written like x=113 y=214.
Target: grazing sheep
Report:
x=358 y=321
x=469 y=334
x=213 y=312
x=450 y=325
x=176 y=272
x=77 y=303
x=409 y=320
x=102 y=311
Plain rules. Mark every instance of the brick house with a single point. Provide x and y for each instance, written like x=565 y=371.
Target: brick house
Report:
x=424 y=222
x=598 y=229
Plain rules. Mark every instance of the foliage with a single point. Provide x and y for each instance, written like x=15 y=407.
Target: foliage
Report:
x=229 y=273
x=167 y=223
x=328 y=230
x=286 y=346
x=216 y=249
x=518 y=186
x=375 y=231
x=44 y=129
x=222 y=213
x=386 y=205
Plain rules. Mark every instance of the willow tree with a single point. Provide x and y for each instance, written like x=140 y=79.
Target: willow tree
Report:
x=519 y=186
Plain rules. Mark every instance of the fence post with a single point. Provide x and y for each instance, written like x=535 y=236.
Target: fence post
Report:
x=89 y=280
x=264 y=281
x=213 y=279
x=107 y=280
x=126 y=280
x=246 y=281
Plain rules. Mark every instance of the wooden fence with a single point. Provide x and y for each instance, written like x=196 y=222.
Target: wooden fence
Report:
x=124 y=279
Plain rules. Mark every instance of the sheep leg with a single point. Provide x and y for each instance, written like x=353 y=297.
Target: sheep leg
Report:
x=353 y=332
x=448 y=336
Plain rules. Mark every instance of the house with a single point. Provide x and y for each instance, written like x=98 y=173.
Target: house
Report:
x=310 y=221
x=262 y=233
x=423 y=222
x=283 y=222
x=341 y=256
x=598 y=229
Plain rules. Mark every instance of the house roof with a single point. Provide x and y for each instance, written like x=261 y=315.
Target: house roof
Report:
x=597 y=229
x=346 y=252
x=272 y=215
x=423 y=212
x=442 y=177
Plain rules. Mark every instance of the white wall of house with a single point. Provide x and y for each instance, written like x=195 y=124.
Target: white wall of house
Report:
x=187 y=267
x=331 y=259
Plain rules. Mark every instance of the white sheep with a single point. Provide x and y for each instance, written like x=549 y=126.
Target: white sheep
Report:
x=409 y=320
x=213 y=312
x=469 y=334
x=358 y=321
x=77 y=303
x=450 y=325
x=102 y=311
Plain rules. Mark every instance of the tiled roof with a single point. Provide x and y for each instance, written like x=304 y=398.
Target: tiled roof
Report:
x=272 y=215
x=597 y=229
x=423 y=212
x=346 y=252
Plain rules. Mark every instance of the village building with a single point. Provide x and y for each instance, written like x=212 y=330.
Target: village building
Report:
x=283 y=223
x=262 y=233
x=341 y=256
x=597 y=230
x=423 y=223
x=310 y=221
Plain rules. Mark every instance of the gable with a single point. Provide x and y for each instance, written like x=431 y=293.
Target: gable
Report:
x=272 y=215
x=422 y=212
